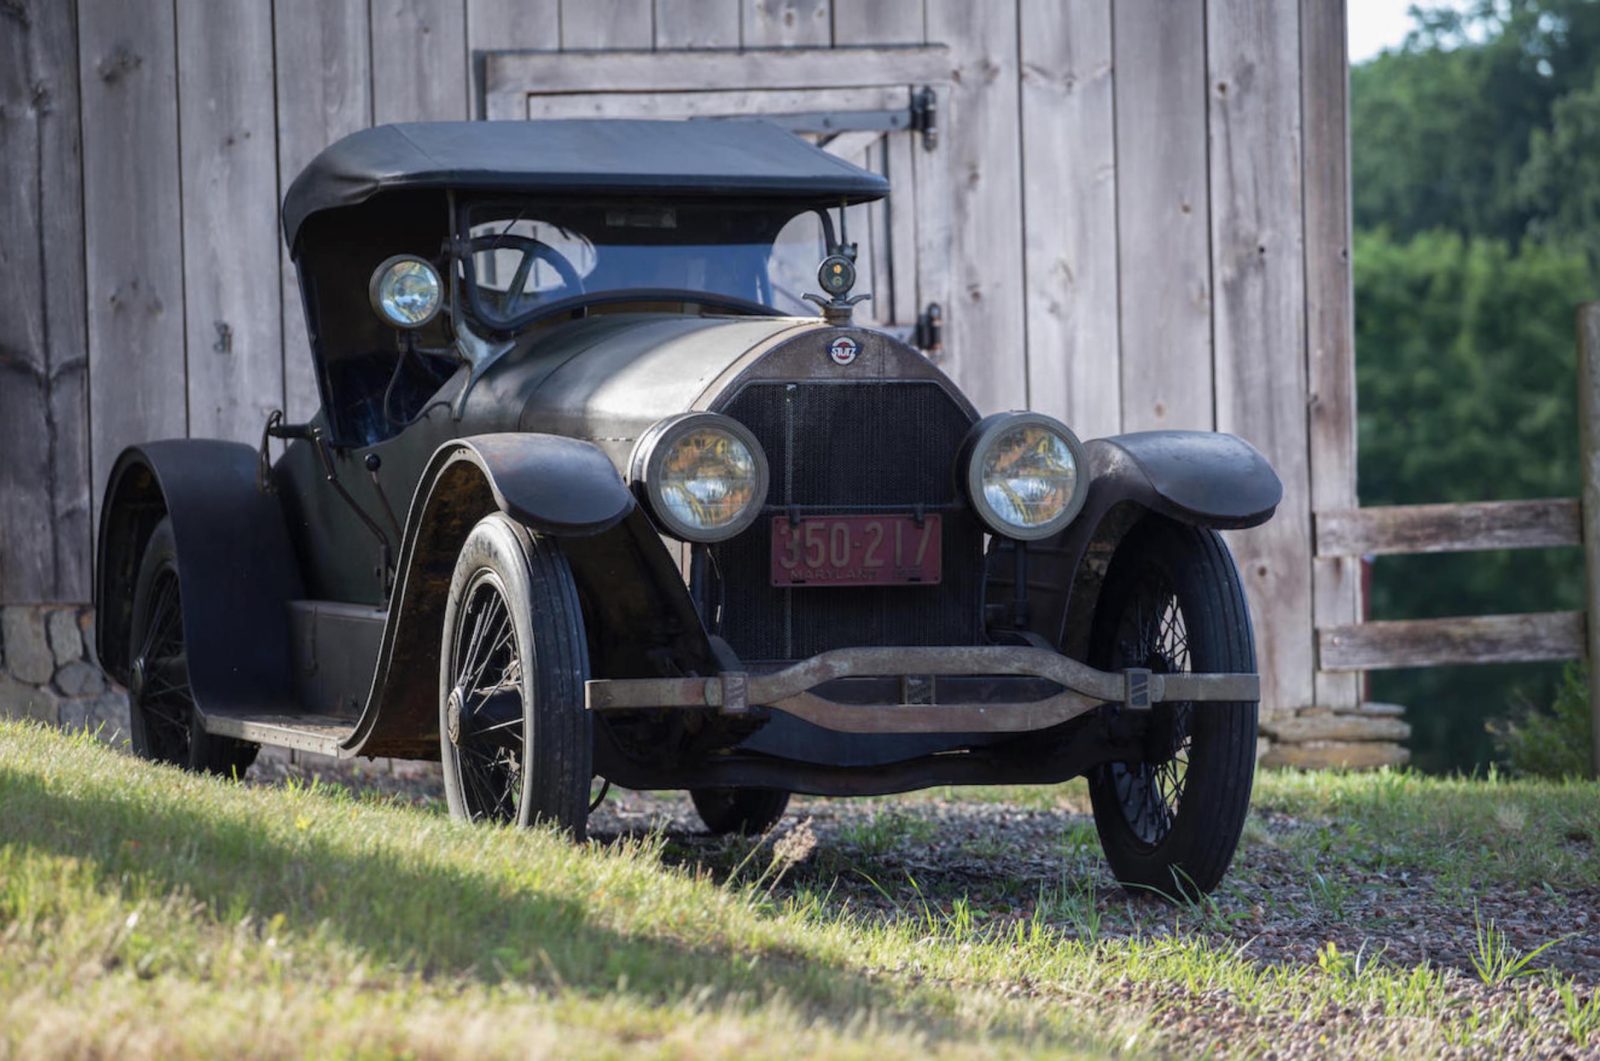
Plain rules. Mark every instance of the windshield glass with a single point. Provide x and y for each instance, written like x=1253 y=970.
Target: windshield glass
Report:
x=527 y=258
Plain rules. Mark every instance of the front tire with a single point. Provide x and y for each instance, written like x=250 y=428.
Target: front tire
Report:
x=165 y=727
x=514 y=735
x=1172 y=601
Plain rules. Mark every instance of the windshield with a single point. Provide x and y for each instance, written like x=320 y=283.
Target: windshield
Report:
x=529 y=258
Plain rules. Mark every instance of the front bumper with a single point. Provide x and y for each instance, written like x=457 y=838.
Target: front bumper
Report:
x=791 y=690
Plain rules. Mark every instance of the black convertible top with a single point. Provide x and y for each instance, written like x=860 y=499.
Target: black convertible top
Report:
x=737 y=157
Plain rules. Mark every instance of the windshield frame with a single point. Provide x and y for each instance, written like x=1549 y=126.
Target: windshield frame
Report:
x=468 y=298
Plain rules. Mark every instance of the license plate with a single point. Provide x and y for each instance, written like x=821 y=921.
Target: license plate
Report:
x=855 y=551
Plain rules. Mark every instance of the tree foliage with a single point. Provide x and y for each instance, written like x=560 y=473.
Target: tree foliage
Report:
x=1475 y=155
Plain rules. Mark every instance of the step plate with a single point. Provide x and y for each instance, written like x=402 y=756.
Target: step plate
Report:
x=307 y=733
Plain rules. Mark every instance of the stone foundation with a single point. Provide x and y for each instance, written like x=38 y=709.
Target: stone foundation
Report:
x=1365 y=737
x=48 y=672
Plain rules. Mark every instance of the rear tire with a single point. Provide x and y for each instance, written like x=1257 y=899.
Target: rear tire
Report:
x=515 y=737
x=1172 y=601
x=161 y=713
x=746 y=811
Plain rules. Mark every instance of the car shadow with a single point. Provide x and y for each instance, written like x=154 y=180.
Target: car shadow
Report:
x=426 y=917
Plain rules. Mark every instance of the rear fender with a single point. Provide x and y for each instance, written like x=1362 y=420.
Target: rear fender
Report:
x=1203 y=478
x=236 y=569
x=636 y=606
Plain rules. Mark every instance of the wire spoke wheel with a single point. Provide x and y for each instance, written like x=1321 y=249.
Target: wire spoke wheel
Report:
x=1152 y=634
x=163 y=713
x=485 y=707
x=515 y=738
x=160 y=686
x=1170 y=807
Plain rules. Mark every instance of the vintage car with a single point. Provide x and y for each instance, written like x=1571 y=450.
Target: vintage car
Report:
x=598 y=493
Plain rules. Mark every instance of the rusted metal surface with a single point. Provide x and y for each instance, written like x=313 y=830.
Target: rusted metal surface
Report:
x=789 y=690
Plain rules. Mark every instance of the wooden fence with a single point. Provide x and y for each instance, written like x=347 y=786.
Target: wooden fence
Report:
x=1539 y=524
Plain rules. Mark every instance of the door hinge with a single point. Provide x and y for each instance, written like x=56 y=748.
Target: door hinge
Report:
x=925 y=116
x=929 y=334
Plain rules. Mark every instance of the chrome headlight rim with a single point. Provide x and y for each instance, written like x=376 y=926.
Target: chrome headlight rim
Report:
x=382 y=273
x=985 y=433
x=656 y=444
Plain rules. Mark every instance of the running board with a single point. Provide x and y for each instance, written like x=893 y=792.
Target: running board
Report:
x=306 y=733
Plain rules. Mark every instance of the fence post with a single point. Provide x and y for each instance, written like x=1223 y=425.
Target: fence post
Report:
x=1589 y=454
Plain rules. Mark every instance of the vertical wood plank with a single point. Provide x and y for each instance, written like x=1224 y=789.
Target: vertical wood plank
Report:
x=127 y=70
x=908 y=167
x=985 y=329
x=419 y=50
x=900 y=226
x=499 y=25
x=324 y=92
x=1588 y=327
x=607 y=24
x=1164 y=250
x=697 y=23
x=787 y=23
x=44 y=476
x=1258 y=248
x=1330 y=315
x=858 y=22
x=1070 y=206
x=227 y=131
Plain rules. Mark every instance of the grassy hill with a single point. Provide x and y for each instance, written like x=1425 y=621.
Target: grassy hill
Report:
x=147 y=912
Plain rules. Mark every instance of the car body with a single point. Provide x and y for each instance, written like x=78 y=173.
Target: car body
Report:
x=588 y=310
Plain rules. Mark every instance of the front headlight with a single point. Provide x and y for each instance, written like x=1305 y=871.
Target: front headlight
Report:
x=406 y=291
x=1026 y=474
x=703 y=475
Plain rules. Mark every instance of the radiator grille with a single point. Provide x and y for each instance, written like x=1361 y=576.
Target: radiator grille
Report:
x=881 y=447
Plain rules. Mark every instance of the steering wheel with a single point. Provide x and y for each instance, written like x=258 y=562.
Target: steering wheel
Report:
x=532 y=250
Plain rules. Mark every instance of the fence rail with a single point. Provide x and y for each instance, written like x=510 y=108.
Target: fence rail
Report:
x=1546 y=523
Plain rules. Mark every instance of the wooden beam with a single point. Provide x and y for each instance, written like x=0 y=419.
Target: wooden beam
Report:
x=789 y=24
x=133 y=228
x=1410 y=529
x=607 y=24
x=642 y=71
x=1589 y=451
x=1259 y=316
x=697 y=23
x=419 y=50
x=1069 y=238
x=324 y=91
x=985 y=328
x=861 y=22
x=44 y=426
x=1330 y=315
x=1163 y=215
x=227 y=134
x=1452 y=642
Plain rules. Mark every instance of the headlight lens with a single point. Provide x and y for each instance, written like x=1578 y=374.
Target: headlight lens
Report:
x=704 y=475
x=1026 y=475
x=406 y=291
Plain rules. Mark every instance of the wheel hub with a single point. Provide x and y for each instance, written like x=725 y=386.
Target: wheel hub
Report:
x=136 y=678
x=452 y=716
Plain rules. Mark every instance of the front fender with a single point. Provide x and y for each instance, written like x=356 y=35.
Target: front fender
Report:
x=236 y=569
x=1204 y=478
x=557 y=485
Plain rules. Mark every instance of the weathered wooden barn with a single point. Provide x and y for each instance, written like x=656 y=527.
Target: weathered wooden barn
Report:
x=1129 y=213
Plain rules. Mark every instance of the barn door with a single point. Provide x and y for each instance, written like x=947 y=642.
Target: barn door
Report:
x=879 y=117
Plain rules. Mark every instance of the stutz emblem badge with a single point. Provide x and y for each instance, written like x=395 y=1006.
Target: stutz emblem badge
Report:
x=843 y=350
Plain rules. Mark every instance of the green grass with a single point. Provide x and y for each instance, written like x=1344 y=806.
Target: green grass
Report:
x=148 y=912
